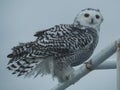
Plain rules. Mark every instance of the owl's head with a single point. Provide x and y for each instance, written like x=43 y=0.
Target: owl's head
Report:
x=89 y=17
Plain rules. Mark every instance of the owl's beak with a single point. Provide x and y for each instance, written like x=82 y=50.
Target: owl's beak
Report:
x=92 y=21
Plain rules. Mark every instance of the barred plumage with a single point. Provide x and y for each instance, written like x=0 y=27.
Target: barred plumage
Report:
x=55 y=51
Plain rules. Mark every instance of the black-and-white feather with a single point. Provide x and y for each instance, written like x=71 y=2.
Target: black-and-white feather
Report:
x=56 y=50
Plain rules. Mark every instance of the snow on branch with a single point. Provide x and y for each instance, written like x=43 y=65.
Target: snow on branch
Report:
x=89 y=66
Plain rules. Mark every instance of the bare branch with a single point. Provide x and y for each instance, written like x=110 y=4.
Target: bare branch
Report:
x=89 y=66
x=107 y=65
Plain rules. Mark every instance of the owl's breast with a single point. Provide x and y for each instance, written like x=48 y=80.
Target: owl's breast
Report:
x=83 y=53
x=81 y=57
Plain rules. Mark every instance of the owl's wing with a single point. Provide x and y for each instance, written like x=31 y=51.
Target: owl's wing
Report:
x=64 y=38
x=59 y=41
x=27 y=56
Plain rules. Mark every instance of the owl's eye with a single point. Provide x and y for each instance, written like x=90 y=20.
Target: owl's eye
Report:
x=97 y=16
x=86 y=15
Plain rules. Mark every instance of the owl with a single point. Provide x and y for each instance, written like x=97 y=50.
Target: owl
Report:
x=59 y=49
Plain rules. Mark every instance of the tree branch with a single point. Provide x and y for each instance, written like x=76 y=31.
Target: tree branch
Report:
x=107 y=65
x=89 y=66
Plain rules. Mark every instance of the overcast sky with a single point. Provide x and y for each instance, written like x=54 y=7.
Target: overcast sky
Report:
x=20 y=19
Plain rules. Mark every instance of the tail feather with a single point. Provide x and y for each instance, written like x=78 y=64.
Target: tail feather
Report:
x=26 y=60
x=20 y=67
x=22 y=59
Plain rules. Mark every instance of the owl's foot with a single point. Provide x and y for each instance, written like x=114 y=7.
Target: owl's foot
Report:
x=68 y=77
x=65 y=75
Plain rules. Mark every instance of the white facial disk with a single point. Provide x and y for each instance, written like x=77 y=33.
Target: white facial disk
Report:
x=89 y=17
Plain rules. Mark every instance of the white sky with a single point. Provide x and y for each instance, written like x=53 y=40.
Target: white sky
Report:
x=20 y=19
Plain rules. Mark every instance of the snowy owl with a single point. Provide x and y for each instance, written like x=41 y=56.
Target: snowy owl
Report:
x=58 y=49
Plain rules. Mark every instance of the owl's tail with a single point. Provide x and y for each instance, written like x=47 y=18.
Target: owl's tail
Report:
x=27 y=59
x=24 y=50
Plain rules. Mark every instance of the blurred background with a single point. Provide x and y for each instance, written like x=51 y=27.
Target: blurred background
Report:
x=20 y=19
